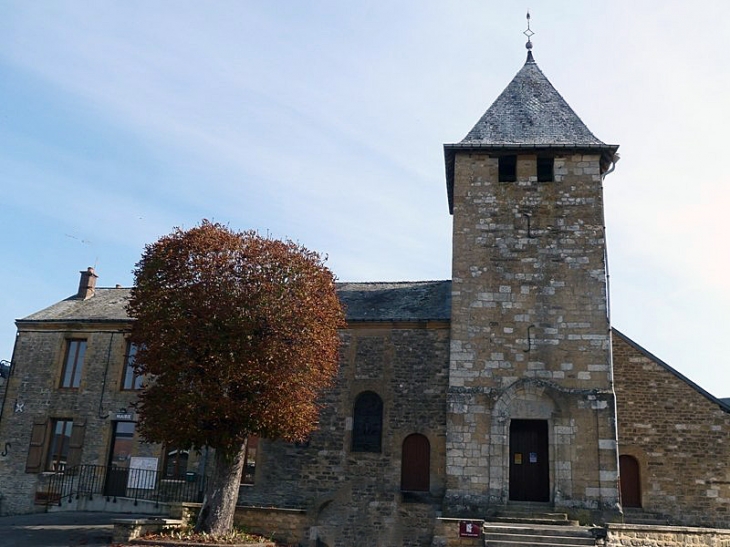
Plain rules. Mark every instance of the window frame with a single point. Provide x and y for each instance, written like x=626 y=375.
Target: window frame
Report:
x=57 y=457
x=131 y=381
x=175 y=455
x=367 y=423
x=507 y=168
x=76 y=349
x=545 y=165
x=248 y=476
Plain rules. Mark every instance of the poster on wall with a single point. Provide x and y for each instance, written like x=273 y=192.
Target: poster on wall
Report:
x=470 y=529
x=142 y=473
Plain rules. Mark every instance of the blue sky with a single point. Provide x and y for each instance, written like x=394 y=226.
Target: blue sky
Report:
x=324 y=121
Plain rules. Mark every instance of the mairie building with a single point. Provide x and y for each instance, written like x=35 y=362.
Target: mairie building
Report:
x=504 y=390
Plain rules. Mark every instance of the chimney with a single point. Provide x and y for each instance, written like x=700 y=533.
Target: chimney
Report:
x=87 y=283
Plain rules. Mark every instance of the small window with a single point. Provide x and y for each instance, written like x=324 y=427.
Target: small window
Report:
x=545 y=169
x=507 y=168
x=59 y=445
x=131 y=380
x=249 y=461
x=176 y=464
x=73 y=364
x=367 y=423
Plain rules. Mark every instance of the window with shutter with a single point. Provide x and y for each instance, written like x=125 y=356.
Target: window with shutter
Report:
x=36 y=451
x=76 y=444
x=59 y=445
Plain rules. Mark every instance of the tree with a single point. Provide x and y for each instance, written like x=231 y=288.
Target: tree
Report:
x=236 y=336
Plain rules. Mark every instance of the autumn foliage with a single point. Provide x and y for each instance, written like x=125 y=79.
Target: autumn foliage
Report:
x=237 y=336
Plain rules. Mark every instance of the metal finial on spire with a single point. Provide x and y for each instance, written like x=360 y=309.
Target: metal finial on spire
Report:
x=528 y=33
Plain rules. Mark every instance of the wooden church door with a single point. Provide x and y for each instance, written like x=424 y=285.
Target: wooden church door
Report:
x=416 y=464
x=529 y=469
x=630 y=481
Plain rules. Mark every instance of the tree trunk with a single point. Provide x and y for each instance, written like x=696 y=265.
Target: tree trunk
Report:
x=221 y=493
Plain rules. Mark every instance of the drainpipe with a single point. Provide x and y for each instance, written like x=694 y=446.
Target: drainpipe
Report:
x=7 y=380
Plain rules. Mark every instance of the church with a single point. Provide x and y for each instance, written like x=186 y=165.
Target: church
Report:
x=503 y=391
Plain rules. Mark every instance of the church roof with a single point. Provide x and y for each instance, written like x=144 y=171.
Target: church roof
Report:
x=402 y=301
x=371 y=301
x=529 y=113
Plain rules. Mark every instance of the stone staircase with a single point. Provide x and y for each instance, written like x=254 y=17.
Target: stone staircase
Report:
x=530 y=535
x=535 y=525
x=529 y=513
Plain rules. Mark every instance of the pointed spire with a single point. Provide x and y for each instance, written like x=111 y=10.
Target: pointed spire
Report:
x=529 y=114
x=529 y=35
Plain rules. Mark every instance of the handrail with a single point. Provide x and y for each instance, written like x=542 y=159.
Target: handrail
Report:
x=118 y=482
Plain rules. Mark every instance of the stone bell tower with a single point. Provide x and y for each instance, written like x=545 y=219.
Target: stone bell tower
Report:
x=531 y=408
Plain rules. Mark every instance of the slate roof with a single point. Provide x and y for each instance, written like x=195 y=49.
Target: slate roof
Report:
x=388 y=301
x=529 y=113
x=403 y=301
x=107 y=305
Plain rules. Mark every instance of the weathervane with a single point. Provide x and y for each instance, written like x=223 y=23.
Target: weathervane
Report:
x=528 y=32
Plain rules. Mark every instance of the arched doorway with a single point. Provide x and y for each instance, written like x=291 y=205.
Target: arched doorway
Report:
x=630 y=481
x=416 y=464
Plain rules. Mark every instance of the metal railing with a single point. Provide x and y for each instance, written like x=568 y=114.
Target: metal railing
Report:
x=89 y=481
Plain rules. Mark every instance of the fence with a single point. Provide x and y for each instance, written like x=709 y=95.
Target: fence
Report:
x=117 y=482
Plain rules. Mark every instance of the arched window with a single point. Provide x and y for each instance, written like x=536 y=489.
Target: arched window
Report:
x=367 y=423
x=415 y=464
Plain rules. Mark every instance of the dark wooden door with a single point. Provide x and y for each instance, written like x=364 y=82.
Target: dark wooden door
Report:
x=630 y=481
x=529 y=469
x=416 y=464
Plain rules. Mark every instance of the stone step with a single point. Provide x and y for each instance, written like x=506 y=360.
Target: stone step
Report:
x=633 y=515
x=496 y=535
x=536 y=513
x=527 y=543
x=535 y=519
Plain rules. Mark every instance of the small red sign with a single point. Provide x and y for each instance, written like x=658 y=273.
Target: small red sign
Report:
x=469 y=529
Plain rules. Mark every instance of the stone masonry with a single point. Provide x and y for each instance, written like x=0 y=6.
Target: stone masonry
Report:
x=679 y=434
x=516 y=347
x=529 y=329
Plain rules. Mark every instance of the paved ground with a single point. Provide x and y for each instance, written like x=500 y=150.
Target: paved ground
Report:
x=64 y=529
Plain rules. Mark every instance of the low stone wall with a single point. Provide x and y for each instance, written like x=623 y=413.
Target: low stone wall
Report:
x=642 y=535
x=287 y=525
x=129 y=529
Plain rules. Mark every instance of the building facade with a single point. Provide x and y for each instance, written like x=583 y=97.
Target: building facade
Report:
x=455 y=398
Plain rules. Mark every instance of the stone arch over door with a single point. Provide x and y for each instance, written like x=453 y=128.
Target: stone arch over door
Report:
x=523 y=400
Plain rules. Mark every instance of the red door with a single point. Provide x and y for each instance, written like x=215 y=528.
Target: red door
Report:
x=529 y=469
x=416 y=464
x=630 y=481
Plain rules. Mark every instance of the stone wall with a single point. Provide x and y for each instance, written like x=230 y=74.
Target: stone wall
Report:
x=627 y=535
x=33 y=395
x=529 y=325
x=287 y=525
x=354 y=498
x=679 y=435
